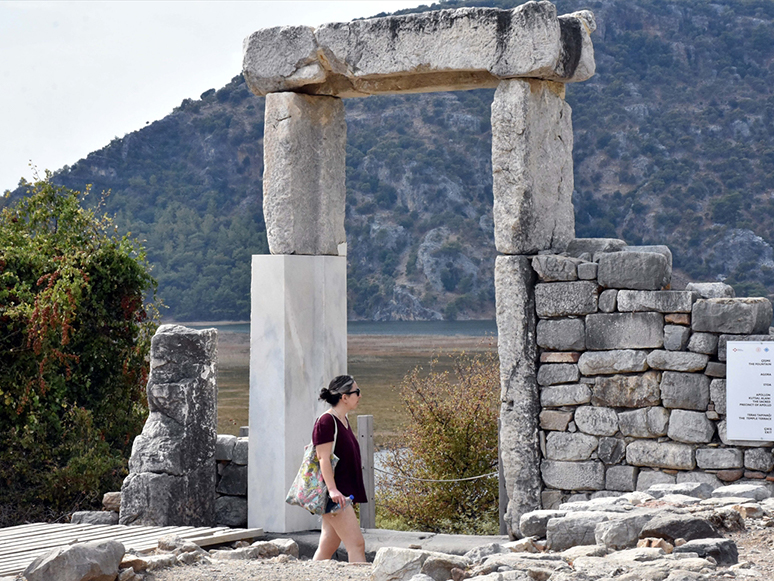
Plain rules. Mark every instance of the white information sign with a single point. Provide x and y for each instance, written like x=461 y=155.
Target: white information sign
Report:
x=749 y=391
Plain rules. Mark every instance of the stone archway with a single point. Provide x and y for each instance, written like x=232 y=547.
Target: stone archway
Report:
x=298 y=337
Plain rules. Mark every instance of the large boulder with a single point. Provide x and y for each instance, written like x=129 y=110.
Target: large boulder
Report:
x=395 y=564
x=97 y=561
x=534 y=524
x=621 y=533
x=678 y=526
x=724 y=551
x=575 y=528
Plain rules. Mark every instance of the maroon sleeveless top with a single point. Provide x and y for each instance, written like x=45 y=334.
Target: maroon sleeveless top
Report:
x=348 y=472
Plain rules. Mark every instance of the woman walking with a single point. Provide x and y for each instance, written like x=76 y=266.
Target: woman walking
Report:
x=343 y=396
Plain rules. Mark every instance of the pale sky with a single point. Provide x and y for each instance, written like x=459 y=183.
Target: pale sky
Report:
x=74 y=75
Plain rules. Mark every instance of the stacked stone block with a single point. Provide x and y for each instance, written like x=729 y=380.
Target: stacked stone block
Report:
x=632 y=375
x=231 y=455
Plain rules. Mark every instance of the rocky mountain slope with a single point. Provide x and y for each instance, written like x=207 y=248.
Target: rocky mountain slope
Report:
x=674 y=143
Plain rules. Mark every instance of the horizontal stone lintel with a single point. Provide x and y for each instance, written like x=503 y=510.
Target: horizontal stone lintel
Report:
x=443 y=50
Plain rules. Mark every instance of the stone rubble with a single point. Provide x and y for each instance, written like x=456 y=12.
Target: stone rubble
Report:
x=174 y=551
x=673 y=532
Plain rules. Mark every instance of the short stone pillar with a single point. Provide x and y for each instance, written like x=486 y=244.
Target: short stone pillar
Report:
x=532 y=171
x=520 y=399
x=304 y=153
x=298 y=343
x=172 y=468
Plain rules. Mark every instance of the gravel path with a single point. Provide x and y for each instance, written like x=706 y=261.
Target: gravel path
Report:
x=756 y=562
x=281 y=568
x=756 y=547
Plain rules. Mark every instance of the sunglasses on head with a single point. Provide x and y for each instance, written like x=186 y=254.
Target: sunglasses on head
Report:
x=355 y=391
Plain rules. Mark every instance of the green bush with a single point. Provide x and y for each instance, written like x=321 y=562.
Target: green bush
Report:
x=452 y=434
x=74 y=340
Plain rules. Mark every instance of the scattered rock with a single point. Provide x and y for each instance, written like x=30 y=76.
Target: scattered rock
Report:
x=724 y=551
x=94 y=517
x=394 y=564
x=97 y=561
x=674 y=526
x=111 y=501
x=753 y=491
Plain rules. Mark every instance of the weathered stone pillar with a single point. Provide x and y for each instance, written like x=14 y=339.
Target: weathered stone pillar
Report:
x=298 y=333
x=304 y=191
x=172 y=469
x=517 y=346
x=532 y=171
x=532 y=185
x=298 y=343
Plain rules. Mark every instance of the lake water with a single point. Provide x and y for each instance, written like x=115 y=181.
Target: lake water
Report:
x=379 y=355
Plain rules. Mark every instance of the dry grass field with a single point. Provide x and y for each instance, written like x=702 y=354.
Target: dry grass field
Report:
x=378 y=363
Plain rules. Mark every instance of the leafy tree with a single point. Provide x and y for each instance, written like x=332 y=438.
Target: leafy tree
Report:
x=74 y=340
x=452 y=435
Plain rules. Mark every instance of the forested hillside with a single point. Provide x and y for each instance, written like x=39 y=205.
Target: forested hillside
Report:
x=674 y=143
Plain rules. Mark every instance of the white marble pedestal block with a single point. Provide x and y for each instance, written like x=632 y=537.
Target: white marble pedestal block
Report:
x=532 y=171
x=298 y=343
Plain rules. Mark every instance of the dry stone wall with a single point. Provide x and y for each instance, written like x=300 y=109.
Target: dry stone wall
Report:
x=231 y=455
x=631 y=375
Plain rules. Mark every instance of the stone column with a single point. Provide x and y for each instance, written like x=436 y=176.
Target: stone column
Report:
x=304 y=192
x=172 y=468
x=532 y=172
x=517 y=346
x=532 y=184
x=298 y=333
x=298 y=343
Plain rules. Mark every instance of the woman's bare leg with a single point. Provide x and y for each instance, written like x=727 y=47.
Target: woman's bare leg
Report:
x=329 y=540
x=347 y=528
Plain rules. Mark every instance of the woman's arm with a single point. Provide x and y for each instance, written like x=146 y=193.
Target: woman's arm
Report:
x=324 y=455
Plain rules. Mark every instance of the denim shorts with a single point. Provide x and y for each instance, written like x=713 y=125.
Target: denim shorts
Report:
x=330 y=506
